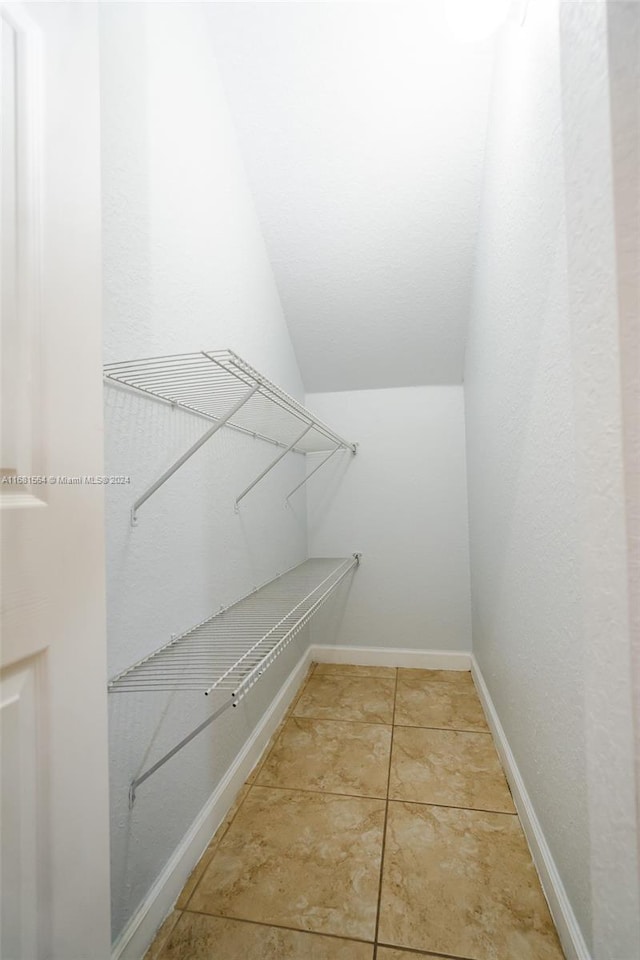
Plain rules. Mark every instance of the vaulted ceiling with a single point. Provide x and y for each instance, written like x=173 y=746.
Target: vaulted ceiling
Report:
x=362 y=127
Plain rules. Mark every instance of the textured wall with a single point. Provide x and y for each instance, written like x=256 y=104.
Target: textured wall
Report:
x=402 y=501
x=544 y=466
x=184 y=268
x=604 y=339
x=524 y=526
x=624 y=64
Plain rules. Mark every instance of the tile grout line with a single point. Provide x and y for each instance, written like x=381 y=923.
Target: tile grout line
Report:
x=384 y=829
x=355 y=676
x=453 y=806
x=413 y=726
x=283 y=926
x=424 y=953
x=371 y=723
x=322 y=933
x=369 y=796
x=416 y=726
x=327 y=793
x=382 y=723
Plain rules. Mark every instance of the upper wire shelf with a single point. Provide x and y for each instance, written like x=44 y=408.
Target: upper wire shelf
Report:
x=211 y=382
x=226 y=390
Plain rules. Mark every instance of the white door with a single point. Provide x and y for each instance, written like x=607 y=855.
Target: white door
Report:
x=54 y=813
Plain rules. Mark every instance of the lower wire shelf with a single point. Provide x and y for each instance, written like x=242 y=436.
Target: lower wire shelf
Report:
x=231 y=650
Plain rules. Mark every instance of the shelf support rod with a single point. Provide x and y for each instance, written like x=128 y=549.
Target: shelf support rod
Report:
x=159 y=763
x=273 y=463
x=317 y=467
x=189 y=453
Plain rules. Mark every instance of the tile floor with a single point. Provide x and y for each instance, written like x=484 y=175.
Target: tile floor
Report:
x=377 y=826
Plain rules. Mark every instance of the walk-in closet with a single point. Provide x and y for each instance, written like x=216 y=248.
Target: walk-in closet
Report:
x=319 y=480
x=344 y=371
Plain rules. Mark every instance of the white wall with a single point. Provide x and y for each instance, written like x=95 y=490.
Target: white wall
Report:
x=602 y=335
x=402 y=502
x=185 y=268
x=624 y=64
x=545 y=481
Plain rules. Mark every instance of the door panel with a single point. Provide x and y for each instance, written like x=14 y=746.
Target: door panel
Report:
x=23 y=848
x=54 y=816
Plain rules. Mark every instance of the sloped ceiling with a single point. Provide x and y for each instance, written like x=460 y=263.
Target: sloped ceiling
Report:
x=362 y=126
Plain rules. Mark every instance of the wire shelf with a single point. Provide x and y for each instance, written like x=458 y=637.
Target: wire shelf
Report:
x=211 y=382
x=232 y=649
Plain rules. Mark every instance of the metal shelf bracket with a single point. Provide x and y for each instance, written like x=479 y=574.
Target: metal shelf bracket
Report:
x=188 y=454
x=272 y=464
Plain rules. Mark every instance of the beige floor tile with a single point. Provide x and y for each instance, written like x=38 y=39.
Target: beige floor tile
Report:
x=195 y=877
x=267 y=750
x=462 y=882
x=200 y=937
x=255 y=773
x=438 y=698
x=305 y=860
x=333 y=756
x=347 y=698
x=353 y=670
x=205 y=859
x=450 y=767
x=300 y=691
x=162 y=936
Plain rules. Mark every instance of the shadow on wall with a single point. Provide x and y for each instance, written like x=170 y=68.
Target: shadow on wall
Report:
x=328 y=481
x=326 y=626
x=522 y=471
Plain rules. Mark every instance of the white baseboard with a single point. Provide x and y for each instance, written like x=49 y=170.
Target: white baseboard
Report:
x=391 y=657
x=135 y=938
x=571 y=937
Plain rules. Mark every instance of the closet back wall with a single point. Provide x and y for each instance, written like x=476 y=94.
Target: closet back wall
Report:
x=185 y=269
x=402 y=501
